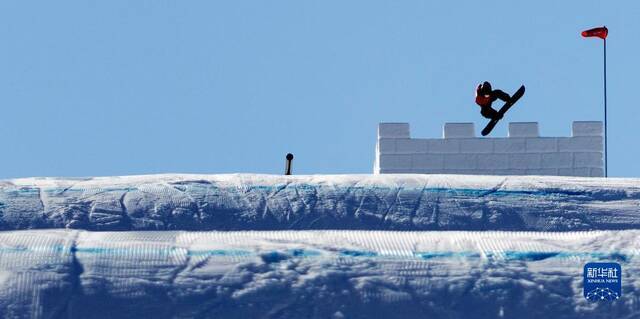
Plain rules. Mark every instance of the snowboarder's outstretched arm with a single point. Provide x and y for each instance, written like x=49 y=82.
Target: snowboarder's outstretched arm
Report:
x=499 y=94
x=485 y=95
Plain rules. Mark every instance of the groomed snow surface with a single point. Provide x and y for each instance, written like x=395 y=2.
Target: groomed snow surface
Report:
x=310 y=274
x=259 y=246
x=267 y=202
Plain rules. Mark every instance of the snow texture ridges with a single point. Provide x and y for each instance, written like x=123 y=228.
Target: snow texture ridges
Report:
x=269 y=202
x=310 y=274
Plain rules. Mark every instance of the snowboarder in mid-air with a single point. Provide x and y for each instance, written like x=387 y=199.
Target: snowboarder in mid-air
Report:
x=485 y=96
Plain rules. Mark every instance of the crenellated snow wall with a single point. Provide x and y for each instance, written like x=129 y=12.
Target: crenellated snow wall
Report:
x=460 y=151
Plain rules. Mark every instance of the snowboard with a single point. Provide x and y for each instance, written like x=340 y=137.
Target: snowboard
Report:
x=514 y=98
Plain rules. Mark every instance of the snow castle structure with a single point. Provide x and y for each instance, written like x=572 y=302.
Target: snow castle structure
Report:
x=522 y=152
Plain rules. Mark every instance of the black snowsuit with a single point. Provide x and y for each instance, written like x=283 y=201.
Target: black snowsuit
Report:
x=485 y=96
x=488 y=111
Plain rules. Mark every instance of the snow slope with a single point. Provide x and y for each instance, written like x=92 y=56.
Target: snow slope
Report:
x=267 y=202
x=311 y=274
x=344 y=246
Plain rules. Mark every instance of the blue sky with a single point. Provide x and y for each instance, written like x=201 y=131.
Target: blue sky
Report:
x=92 y=88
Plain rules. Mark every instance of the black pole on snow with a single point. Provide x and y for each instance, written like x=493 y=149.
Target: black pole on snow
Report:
x=605 y=109
x=287 y=170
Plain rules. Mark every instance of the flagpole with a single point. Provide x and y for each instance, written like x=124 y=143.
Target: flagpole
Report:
x=605 y=109
x=602 y=32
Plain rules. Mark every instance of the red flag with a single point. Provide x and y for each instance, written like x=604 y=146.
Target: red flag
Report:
x=600 y=32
